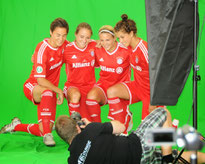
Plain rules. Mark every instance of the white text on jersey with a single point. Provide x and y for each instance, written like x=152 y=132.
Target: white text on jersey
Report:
x=78 y=65
x=104 y=68
x=56 y=65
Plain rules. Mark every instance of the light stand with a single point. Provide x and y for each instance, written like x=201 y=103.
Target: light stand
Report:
x=196 y=77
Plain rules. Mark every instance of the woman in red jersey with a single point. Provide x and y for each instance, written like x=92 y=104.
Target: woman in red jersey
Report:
x=42 y=86
x=139 y=89
x=113 y=60
x=80 y=69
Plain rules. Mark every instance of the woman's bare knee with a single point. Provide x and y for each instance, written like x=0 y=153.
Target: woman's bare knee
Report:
x=118 y=90
x=97 y=95
x=37 y=91
x=74 y=95
x=112 y=92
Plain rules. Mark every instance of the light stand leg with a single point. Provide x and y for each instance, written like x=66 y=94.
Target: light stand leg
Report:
x=195 y=67
x=193 y=158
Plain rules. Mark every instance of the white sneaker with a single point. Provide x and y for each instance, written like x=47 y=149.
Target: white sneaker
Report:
x=10 y=127
x=130 y=123
x=48 y=140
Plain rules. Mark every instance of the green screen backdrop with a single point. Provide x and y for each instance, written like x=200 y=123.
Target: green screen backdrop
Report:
x=23 y=24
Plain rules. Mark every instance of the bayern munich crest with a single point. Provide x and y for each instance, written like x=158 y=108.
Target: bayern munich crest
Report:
x=92 y=53
x=119 y=70
x=119 y=60
x=136 y=60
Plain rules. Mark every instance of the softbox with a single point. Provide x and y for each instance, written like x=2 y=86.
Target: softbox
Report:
x=170 y=34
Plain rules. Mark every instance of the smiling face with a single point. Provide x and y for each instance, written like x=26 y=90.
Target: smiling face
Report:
x=58 y=36
x=107 y=41
x=82 y=38
x=125 y=38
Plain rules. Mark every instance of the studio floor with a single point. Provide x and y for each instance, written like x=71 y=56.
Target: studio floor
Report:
x=22 y=148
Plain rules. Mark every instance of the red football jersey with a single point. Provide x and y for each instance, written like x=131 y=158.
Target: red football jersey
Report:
x=140 y=63
x=48 y=62
x=115 y=66
x=80 y=63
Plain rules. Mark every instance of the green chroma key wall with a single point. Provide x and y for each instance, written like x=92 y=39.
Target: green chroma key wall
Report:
x=23 y=24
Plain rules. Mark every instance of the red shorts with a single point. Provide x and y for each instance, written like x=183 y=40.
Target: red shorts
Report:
x=138 y=94
x=28 y=89
x=104 y=87
x=83 y=89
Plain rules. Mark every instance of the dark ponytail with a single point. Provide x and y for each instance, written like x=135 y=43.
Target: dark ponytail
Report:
x=126 y=25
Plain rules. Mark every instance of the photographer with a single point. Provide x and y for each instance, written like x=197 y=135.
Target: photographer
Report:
x=98 y=142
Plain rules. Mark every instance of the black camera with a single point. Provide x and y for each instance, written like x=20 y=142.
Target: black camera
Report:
x=77 y=117
x=186 y=137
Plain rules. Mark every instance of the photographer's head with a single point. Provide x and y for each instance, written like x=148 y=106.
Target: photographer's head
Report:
x=66 y=128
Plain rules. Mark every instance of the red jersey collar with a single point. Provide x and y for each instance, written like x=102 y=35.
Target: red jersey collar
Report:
x=111 y=53
x=137 y=45
x=46 y=42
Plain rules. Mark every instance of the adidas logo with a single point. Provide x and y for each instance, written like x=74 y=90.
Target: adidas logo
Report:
x=51 y=59
x=101 y=59
x=74 y=57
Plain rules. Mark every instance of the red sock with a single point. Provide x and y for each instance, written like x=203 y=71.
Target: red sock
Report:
x=83 y=108
x=29 y=128
x=45 y=109
x=94 y=110
x=118 y=110
x=73 y=107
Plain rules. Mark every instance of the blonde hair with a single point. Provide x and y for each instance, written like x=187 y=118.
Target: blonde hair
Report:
x=107 y=29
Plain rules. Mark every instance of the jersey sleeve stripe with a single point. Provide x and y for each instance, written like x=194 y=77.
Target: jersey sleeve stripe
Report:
x=40 y=49
x=40 y=53
x=144 y=48
x=39 y=76
x=144 y=51
x=29 y=86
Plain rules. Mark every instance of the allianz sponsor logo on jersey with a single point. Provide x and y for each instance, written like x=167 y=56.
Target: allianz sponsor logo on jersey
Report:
x=137 y=67
x=84 y=64
x=56 y=65
x=118 y=70
x=83 y=155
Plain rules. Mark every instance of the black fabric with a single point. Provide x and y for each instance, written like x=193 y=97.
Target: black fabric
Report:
x=103 y=147
x=167 y=159
x=170 y=31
